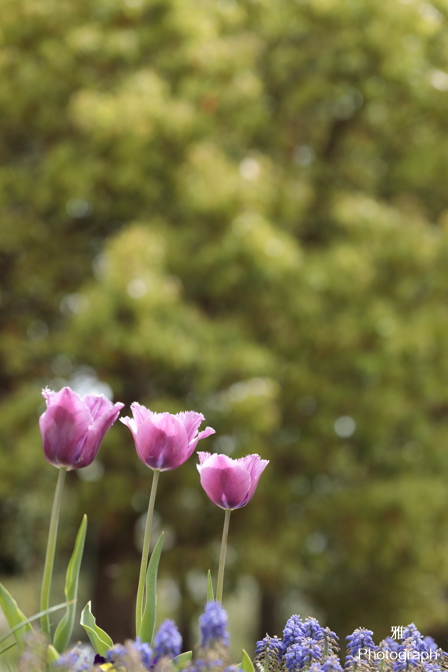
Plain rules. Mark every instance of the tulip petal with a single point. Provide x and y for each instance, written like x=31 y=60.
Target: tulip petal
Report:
x=255 y=466
x=141 y=413
x=191 y=421
x=161 y=442
x=130 y=422
x=202 y=435
x=88 y=449
x=63 y=426
x=49 y=396
x=226 y=483
x=97 y=405
x=203 y=456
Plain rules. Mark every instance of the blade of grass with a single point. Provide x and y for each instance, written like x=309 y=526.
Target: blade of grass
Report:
x=8 y=647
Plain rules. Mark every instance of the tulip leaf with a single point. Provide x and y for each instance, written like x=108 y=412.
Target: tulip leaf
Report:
x=52 y=654
x=32 y=618
x=246 y=663
x=14 y=616
x=178 y=662
x=149 y=615
x=99 y=639
x=210 y=596
x=64 y=630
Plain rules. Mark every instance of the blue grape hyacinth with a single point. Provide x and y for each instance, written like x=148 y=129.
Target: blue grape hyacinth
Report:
x=299 y=656
x=74 y=660
x=360 y=639
x=168 y=640
x=213 y=625
x=122 y=655
x=269 y=652
x=292 y=634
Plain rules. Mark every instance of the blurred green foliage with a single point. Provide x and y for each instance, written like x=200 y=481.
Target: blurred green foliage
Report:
x=236 y=207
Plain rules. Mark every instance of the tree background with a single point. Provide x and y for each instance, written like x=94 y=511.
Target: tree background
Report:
x=237 y=207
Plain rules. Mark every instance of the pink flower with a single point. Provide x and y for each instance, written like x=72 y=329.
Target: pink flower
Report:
x=165 y=441
x=73 y=428
x=229 y=483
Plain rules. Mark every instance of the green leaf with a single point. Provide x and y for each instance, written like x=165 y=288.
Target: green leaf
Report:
x=99 y=639
x=64 y=630
x=149 y=615
x=33 y=618
x=179 y=661
x=246 y=663
x=210 y=596
x=52 y=654
x=14 y=616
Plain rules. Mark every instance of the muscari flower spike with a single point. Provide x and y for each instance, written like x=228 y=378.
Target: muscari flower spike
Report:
x=412 y=632
x=213 y=625
x=330 y=641
x=360 y=639
x=413 y=649
x=292 y=634
x=311 y=628
x=145 y=651
x=269 y=652
x=74 y=661
x=124 y=655
x=300 y=655
x=430 y=644
x=168 y=640
x=331 y=664
x=389 y=644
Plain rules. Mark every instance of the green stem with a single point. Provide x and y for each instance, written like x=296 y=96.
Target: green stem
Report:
x=145 y=553
x=222 y=558
x=51 y=547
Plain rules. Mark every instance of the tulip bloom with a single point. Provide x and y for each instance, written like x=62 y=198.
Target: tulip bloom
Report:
x=73 y=428
x=164 y=441
x=72 y=431
x=230 y=484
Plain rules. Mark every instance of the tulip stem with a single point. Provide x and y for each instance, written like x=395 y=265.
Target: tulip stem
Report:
x=145 y=553
x=51 y=547
x=222 y=557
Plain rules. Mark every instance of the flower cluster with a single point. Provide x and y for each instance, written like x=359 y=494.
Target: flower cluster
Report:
x=75 y=660
x=168 y=641
x=73 y=429
x=306 y=645
x=213 y=624
x=138 y=656
x=359 y=640
x=269 y=654
x=412 y=651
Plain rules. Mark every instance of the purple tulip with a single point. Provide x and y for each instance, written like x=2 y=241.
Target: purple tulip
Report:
x=230 y=484
x=165 y=441
x=73 y=428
